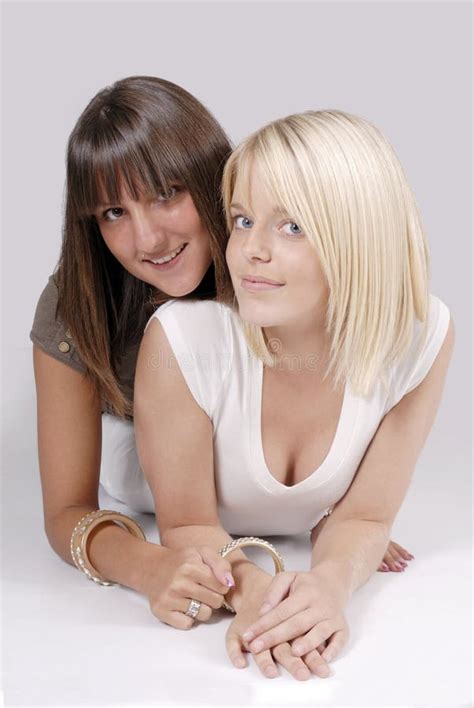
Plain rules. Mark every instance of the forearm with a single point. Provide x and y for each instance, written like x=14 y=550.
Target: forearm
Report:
x=348 y=552
x=113 y=551
x=248 y=576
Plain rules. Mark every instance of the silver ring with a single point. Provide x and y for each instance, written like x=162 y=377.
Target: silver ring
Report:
x=193 y=609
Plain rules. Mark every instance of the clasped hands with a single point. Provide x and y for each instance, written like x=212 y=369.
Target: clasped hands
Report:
x=294 y=619
x=300 y=624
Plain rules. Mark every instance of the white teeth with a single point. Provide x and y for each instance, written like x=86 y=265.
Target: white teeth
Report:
x=170 y=257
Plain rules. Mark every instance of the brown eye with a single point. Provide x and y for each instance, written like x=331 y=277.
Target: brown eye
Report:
x=112 y=214
x=167 y=196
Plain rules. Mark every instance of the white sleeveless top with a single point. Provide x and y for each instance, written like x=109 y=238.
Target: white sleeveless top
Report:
x=225 y=379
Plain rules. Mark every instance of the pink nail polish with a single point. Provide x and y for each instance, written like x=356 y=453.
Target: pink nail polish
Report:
x=229 y=580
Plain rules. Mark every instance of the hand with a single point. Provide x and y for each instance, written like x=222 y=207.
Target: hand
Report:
x=311 y=614
x=299 y=667
x=179 y=576
x=395 y=558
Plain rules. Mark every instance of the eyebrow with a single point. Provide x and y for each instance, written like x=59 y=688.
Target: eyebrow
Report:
x=275 y=210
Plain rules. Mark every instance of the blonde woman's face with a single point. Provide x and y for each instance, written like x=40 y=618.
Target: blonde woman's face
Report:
x=274 y=267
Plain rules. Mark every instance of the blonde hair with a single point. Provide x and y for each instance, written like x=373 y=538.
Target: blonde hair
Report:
x=340 y=180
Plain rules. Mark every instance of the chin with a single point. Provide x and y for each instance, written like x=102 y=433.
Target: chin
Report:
x=183 y=288
x=259 y=316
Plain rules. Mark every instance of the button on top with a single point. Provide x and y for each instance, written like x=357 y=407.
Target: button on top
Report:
x=64 y=347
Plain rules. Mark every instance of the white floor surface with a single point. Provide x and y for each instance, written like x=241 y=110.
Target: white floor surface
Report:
x=68 y=642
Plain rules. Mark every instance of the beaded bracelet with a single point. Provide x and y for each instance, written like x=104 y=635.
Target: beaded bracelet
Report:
x=82 y=531
x=246 y=541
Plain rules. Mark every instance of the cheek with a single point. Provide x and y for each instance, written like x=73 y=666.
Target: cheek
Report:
x=231 y=254
x=118 y=244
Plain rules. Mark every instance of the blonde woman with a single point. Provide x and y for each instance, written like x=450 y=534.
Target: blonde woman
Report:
x=314 y=394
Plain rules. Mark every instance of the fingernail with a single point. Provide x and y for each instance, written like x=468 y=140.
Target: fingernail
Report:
x=229 y=580
x=247 y=636
x=265 y=607
x=240 y=663
x=385 y=566
x=271 y=672
x=257 y=646
x=297 y=650
x=324 y=671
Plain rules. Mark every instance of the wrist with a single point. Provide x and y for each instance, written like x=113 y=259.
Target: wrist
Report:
x=333 y=574
x=251 y=582
x=149 y=560
x=121 y=557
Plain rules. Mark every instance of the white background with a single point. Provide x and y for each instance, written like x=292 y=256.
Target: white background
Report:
x=405 y=67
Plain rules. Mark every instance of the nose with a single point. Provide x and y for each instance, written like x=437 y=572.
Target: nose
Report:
x=256 y=245
x=149 y=234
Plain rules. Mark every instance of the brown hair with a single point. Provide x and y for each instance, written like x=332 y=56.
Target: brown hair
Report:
x=148 y=133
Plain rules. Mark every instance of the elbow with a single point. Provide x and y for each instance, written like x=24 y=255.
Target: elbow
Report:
x=377 y=527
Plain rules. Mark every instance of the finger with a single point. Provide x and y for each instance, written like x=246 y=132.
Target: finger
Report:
x=335 y=644
x=313 y=638
x=178 y=620
x=402 y=551
x=201 y=574
x=183 y=605
x=234 y=651
x=396 y=555
x=316 y=664
x=278 y=589
x=265 y=663
x=295 y=626
x=392 y=562
x=202 y=594
x=291 y=663
x=221 y=568
x=286 y=609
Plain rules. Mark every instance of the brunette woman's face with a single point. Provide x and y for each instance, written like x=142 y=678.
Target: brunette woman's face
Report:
x=158 y=239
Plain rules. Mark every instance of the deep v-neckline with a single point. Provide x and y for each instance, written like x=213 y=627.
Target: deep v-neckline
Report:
x=335 y=455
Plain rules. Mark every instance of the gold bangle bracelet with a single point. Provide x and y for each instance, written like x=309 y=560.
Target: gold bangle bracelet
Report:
x=81 y=534
x=247 y=541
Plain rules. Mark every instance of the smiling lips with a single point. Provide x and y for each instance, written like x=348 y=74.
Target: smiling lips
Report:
x=169 y=257
x=255 y=283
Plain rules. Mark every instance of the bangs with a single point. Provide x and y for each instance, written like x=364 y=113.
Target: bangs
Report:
x=103 y=169
x=282 y=171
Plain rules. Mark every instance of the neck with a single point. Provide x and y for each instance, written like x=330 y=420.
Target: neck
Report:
x=299 y=346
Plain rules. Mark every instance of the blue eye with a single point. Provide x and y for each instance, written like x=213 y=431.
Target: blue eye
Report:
x=242 y=222
x=112 y=214
x=294 y=229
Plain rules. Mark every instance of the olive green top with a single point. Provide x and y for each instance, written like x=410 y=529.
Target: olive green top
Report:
x=51 y=335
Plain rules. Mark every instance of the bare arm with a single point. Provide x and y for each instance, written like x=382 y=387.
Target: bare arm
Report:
x=349 y=546
x=355 y=536
x=175 y=445
x=69 y=446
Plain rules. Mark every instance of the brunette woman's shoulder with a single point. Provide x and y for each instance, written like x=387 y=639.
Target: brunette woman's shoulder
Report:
x=49 y=333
